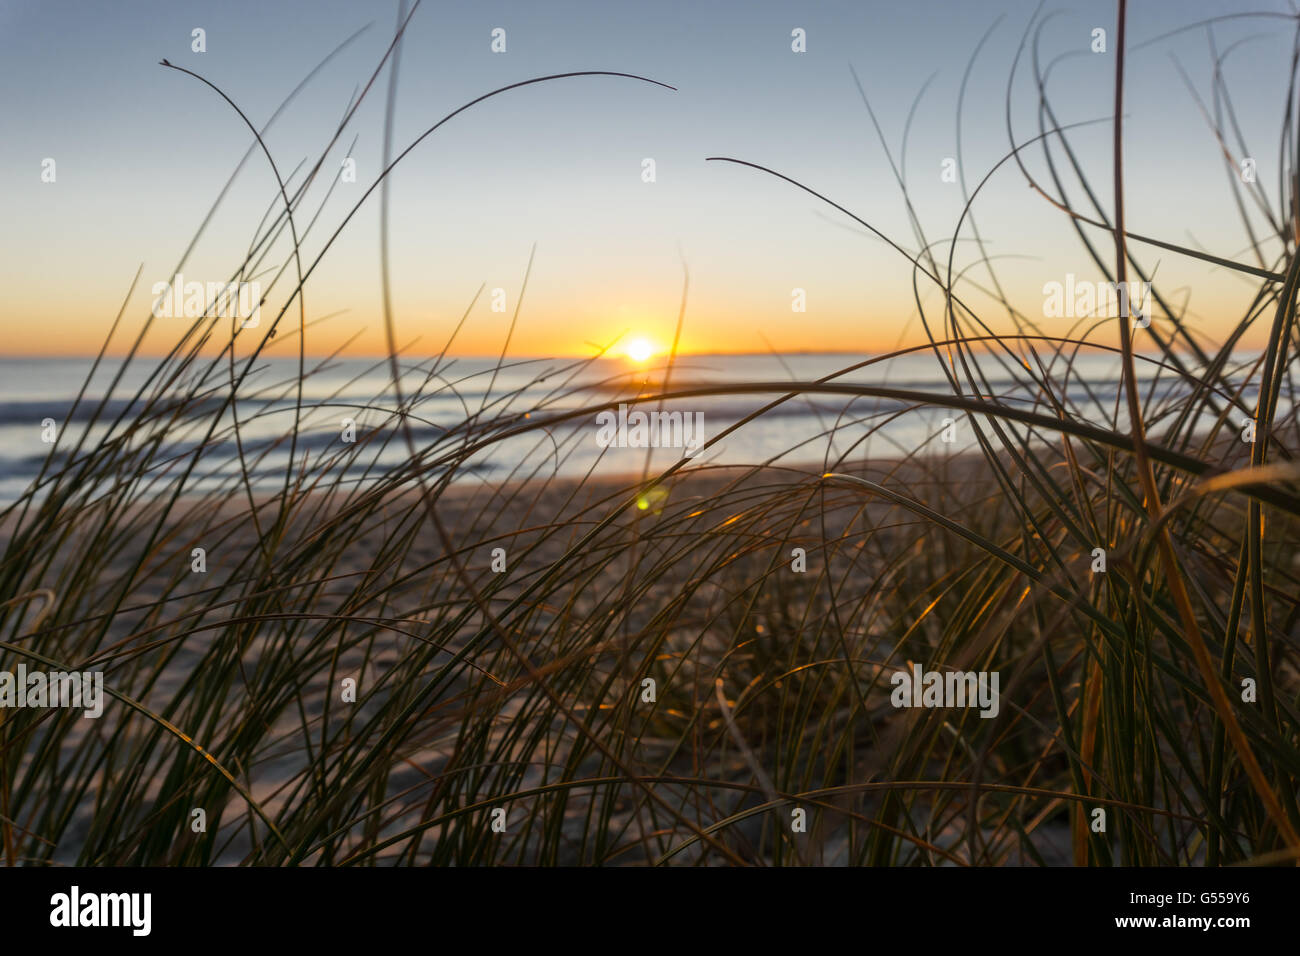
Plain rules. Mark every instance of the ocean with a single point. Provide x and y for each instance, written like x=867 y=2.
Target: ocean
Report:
x=464 y=402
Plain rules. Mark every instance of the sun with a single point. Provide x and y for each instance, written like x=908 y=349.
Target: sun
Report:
x=639 y=350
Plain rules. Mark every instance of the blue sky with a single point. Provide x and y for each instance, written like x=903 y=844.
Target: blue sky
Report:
x=142 y=151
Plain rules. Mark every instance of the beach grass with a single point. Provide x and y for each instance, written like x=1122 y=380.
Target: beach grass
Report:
x=688 y=664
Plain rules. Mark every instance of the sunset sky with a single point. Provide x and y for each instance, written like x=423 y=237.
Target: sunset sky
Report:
x=143 y=151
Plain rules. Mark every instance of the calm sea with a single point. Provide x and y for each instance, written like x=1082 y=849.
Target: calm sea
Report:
x=821 y=431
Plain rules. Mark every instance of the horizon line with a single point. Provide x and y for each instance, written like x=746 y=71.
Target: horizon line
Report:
x=524 y=357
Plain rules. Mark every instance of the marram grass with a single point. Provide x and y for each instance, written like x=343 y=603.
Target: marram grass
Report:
x=694 y=665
